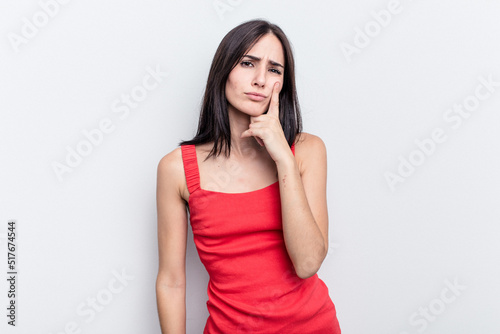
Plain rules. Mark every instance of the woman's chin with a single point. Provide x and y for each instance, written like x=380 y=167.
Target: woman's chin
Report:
x=255 y=112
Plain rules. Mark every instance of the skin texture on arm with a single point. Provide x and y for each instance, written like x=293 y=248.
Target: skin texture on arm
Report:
x=302 y=189
x=304 y=205
x=172 y=238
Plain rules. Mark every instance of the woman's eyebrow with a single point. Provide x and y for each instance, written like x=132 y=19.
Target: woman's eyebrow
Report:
x=272 y=62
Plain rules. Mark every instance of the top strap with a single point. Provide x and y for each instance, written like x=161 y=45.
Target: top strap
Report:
x=190 y=162
x=190 y=167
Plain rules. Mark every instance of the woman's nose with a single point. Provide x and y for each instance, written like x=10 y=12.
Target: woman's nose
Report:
x=260 y=77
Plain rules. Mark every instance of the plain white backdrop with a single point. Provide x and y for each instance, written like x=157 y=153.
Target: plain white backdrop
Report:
x=405 y=94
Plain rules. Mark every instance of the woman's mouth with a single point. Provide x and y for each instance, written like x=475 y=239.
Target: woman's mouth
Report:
x=255 y=96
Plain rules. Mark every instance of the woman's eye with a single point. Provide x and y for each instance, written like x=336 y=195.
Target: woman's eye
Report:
x=246 y=63
x=276 y=71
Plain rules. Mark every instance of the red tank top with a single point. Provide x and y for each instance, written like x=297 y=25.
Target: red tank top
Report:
x=253 y=287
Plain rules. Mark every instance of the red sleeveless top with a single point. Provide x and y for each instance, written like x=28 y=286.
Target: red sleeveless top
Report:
x=253 y=287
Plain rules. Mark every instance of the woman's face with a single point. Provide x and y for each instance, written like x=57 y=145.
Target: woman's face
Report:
x=250 y=84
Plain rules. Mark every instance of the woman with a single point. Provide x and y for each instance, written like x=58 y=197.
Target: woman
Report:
x=259 y=212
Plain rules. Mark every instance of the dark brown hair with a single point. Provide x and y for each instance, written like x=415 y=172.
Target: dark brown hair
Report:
x=214 y=120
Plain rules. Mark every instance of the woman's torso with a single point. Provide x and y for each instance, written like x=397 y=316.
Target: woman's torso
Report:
x=235 y=215
x=236 y=174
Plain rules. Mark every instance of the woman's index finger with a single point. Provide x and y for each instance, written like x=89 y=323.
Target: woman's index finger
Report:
x=274 y=105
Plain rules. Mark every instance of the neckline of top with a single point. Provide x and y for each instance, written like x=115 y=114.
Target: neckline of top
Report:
x=240 y=193
x=225 y=193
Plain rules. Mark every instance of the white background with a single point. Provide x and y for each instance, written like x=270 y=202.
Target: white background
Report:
x=391 y=250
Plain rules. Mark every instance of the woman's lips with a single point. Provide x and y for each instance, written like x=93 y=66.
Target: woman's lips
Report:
x=255 y=96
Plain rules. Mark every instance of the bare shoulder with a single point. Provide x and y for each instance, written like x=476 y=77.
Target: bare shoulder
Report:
x=309 y=148
x=308 y=141
x=171 y=171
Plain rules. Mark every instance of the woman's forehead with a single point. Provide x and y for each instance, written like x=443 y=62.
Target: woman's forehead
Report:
x=269 y=47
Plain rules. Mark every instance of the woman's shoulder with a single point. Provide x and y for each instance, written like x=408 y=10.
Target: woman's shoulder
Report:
x=308 y=149
x=305 y=142
x=172 y=160
x=171 y=169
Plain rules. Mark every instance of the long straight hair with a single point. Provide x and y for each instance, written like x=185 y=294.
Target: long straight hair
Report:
x=213 y=125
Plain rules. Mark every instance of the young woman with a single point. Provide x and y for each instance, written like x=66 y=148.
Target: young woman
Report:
x=259 y=212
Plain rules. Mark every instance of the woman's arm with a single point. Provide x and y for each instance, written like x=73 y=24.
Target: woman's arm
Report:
x=172 y=235
x=304 y=206
x=302 y=188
